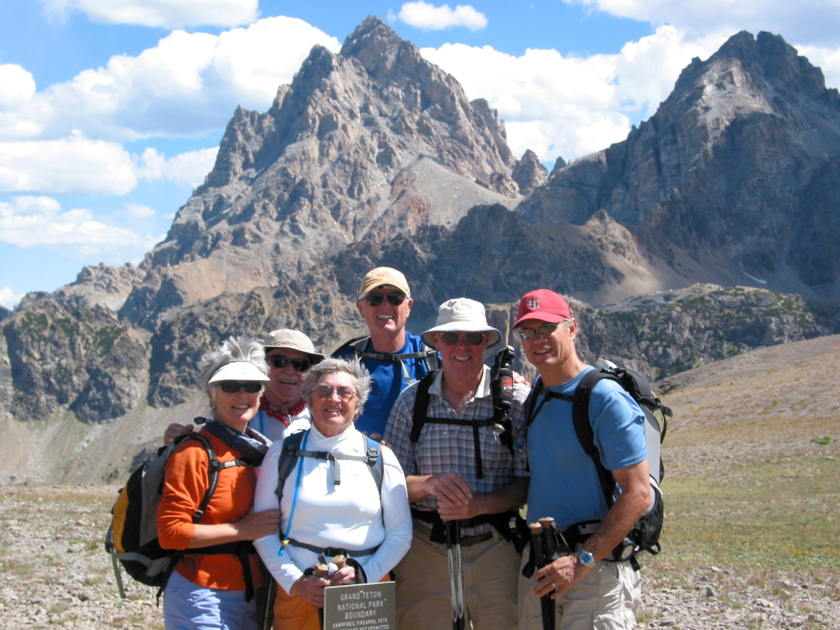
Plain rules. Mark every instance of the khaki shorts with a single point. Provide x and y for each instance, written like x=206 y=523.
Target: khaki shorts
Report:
x=490 y=582
x=606 y=599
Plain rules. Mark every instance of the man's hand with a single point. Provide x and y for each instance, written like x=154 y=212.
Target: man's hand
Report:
x=450 y=488
x=450 y=511
x=174 y=431
x=557 y=577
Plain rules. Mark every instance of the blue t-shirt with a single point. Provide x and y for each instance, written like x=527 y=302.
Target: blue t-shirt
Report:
x=564 y=481
x=388 y=381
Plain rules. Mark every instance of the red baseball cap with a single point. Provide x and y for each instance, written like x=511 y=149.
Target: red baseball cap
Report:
x=544 y=305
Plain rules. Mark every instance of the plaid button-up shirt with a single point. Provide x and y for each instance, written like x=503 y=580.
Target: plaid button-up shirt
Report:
x=444 y=448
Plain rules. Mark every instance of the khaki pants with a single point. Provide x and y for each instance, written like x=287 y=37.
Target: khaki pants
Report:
x=490 y=583
x=606 y=599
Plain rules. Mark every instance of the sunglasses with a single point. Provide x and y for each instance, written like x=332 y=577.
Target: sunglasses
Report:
x=279 y=361
x=546 y=329
x=472 y=338
x=232 y=387
x=375 y=299
x=344 y=393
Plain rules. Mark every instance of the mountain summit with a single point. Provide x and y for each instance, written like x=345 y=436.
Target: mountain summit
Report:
x=363 y=144
x=737 y=172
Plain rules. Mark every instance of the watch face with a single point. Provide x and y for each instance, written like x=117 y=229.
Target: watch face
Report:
x=586 y=558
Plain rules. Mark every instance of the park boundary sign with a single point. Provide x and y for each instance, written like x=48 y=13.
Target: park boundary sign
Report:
x=360 y=607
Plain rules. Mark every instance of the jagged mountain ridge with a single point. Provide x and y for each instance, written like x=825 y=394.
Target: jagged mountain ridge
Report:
x=738 y=168
x=336 y=159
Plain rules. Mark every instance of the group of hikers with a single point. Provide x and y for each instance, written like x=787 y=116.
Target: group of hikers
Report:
x=381 y=460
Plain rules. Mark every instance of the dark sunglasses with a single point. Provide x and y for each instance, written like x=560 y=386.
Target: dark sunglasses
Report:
x=375 y=299
x=279 y=361
x=232 y=387
x=344 y=393
x=472 y=338
x=546 y=329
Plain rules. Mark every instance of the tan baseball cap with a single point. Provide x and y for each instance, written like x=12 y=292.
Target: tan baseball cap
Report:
x=383 y=277
x=292 y=340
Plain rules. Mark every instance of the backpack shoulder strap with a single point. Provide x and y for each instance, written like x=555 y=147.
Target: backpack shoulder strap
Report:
x=421 y=406
x=583 y=428
x=358 y=344
x=374 y=461
x=430 y=358
x=212 y=472
x=289 y=455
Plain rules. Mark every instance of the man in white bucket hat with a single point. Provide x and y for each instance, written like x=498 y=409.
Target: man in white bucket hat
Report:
x=459 y=468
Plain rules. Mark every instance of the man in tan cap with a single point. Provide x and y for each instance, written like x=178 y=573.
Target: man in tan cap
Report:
x=394 y=357
x=289 y=354
x=461 y=466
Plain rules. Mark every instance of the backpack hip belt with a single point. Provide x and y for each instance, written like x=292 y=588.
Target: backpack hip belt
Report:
x=506 y=523
x=331 y=552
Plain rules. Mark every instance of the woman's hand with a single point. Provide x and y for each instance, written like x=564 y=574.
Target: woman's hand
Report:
x=345 y=575
x=310 y=588
x=259 y=524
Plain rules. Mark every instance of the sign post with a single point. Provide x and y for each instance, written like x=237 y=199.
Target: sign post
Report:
x=360 y=607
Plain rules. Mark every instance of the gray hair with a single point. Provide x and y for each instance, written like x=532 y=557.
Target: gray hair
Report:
x=352 y=366
x=242 y=348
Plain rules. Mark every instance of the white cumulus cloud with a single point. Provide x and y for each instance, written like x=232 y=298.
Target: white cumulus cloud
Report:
x=816 y=25
x=571 y=106
x=29 y=221
x=187 y=85
x=428 y=17
x=187 y=168
x=72 y=165
x=159 y=13
x=9 y=298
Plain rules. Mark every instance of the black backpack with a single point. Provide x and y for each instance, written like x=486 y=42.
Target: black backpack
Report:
x=132 y=538
x=646 y=532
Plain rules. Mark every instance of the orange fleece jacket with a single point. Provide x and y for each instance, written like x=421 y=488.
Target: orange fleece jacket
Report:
x=184 y=486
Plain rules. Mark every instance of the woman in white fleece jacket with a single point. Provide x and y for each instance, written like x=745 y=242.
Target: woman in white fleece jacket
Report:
x=320 y=515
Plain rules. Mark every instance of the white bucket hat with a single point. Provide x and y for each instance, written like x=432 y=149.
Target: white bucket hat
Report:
x=238 y=371
x=461 y=315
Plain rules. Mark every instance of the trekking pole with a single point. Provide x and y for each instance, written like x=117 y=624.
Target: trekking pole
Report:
x=456 y=575
x=321 y=571
x=549 y=556
x=546 y=603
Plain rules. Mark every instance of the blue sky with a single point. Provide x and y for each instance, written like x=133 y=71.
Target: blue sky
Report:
x=111 y=110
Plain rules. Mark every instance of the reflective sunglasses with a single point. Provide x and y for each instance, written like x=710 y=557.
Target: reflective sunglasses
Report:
x=375 y=299
x=279 y=361
x=232 y=387
x=546 y=329
x=472 y=338
x=344 y=393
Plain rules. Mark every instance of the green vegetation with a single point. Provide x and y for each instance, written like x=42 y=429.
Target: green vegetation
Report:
x=823 y=441
x=104 y=338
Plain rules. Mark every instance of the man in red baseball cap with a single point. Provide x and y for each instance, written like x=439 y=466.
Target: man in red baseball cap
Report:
x=588 y=583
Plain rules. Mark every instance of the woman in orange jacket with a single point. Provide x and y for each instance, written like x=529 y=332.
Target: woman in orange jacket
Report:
x=212 y=584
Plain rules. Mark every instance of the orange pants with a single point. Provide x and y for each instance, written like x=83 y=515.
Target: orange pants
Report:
x=294 y=613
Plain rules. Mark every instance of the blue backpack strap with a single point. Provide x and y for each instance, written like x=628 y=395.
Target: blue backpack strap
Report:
x=288 y=458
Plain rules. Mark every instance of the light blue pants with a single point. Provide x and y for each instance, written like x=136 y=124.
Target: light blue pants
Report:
x=187 y=606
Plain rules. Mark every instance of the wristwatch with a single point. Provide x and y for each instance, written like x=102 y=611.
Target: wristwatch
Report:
x=586 y=558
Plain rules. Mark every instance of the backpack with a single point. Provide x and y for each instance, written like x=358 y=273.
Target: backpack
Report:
x=646 y=531
x=359 y=349
x=132 y=538
x=502 y=388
